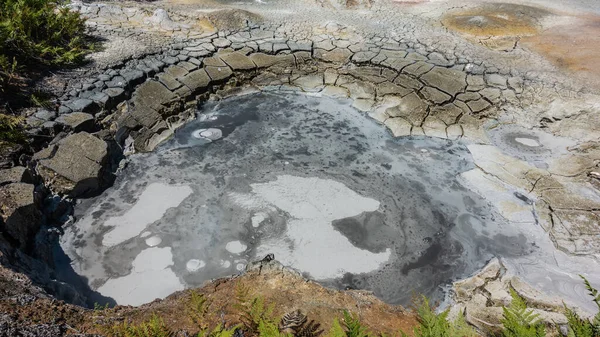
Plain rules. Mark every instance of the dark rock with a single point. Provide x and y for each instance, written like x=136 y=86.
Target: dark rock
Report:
x=115 y=96
x=117 y=82
x=170 y=59
x=133 y=77
x=46 y=115
x=218 y=73
x=82 y=104
x=77 y=122
x=9 y=153
x=147 y=70
x=86 y=94
x=100 y=98
x=33 y=122
x=238 y=61
x=19 y=211
x=63 y=109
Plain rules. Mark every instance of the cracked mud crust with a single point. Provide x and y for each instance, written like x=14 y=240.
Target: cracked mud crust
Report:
x=498 y=78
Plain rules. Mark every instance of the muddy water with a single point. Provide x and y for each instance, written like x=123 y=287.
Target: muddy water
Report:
x=311 y=180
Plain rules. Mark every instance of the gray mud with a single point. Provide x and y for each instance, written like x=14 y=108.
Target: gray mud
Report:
x=313 y=181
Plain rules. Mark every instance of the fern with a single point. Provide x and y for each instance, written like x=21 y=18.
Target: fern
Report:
x=430 y=323
x=353 y=326
x=219 y=331
x=437 y=325
x=253 y=311
x=197 y=308
x=10 y=129
x=460 y=327
x=593 y=292
x=336 y=330
x=267 y=328
x=242 y=295
x=155 y=327
x=518 y=321
x=580 y=327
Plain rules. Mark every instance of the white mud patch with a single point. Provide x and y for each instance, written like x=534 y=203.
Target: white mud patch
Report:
x=135 y=289
x=313 y=204
x=151 y=206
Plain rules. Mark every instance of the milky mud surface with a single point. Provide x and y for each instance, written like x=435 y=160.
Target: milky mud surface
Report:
x=309 y=179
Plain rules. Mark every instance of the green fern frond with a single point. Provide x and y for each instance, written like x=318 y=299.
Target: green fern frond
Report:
x=578 y=327
x=218 y=331
x=460 y=328
x=197 y=307
x=268 y=328
x=593 y=291
x=354 y=327
x=254 y=312
x=336 y=330
x=518 y=321
x=155 y=327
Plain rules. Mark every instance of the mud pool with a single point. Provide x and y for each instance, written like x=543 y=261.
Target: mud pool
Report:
x=309 y=179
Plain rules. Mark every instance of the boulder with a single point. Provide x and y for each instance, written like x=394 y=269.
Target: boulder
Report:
x=19 y=212
x=74 y=166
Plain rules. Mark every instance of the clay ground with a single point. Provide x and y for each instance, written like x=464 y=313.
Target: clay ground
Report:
x=515 y=83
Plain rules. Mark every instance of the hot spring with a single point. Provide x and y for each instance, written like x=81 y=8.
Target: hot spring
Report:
x=309 y=179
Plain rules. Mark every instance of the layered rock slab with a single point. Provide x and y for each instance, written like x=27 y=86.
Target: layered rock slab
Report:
x=74 y=166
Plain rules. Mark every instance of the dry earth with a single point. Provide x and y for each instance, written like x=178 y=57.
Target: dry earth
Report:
x=517 y=82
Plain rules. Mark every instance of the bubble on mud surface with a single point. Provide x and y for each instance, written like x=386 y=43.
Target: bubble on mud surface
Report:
x=235 y=247
x=528 y=141
x=194 y=265
x=153 y=241
x=258 y=219
x=209 y=134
